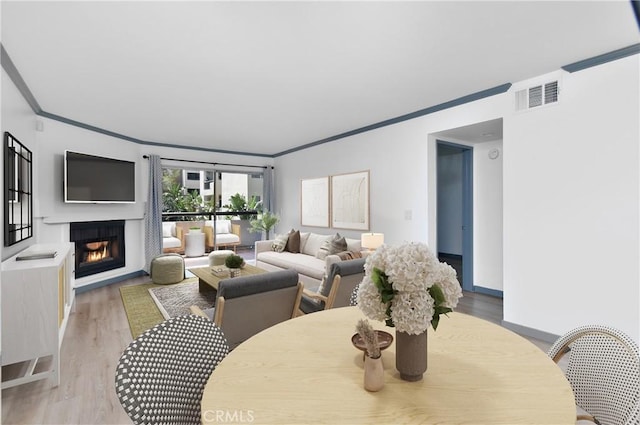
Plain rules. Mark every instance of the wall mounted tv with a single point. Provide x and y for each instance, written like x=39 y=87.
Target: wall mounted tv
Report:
x=96 y=179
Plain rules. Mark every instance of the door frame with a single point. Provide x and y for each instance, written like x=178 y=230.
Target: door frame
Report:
x=467 y=211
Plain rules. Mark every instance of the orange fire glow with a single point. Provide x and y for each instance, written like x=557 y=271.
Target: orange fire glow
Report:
x=98 y=255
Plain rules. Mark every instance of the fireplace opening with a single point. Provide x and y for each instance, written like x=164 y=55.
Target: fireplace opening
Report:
x=99 y=246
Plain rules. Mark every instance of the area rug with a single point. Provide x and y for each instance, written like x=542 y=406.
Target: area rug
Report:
x=141 y=309
x=175 y=300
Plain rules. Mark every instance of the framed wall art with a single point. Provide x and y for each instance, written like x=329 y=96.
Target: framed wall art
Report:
x=314 y=202
x=350 y=201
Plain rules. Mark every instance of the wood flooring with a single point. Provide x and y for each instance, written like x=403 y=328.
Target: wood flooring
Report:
x=97 y=334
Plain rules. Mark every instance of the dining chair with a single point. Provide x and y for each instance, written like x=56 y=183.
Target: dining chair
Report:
x=603 y=369
x=336 y=289
x=353 y=300
x=161 y=375
x=247 y=305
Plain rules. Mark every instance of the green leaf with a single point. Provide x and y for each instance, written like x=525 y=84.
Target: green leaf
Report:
x=434 y=321
x=437 y=294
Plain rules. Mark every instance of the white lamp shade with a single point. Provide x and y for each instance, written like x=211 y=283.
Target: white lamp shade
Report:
x=371 y=240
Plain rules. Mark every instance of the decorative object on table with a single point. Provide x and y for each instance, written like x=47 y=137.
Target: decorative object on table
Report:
x=408 y=288
x=264 y=223
x=384 y=340
x=373 y=368
x=234 y=263
x=195 y=229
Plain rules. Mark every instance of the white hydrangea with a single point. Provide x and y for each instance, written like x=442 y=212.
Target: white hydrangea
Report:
x=412 y=312
x=412 y=269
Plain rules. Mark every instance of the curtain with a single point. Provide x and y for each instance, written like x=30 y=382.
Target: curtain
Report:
x=268 y=202
x=153 y=216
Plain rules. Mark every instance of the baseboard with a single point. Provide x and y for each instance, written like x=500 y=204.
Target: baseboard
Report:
x=453 y=256
x=95 y=285
x=530 y=332
x=488 y=291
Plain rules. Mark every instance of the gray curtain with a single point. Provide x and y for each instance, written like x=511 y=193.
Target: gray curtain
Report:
x=268 y=203
x=153 y=216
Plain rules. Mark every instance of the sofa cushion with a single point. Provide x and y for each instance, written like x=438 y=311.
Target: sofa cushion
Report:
x=293 y=243
x=304 y=236
x=280 y=242
x=332 y=246
x=353 y=245
x=171 y=242
x=227 y=238
x=168 y=230
x=303 y=264
x=314 y=242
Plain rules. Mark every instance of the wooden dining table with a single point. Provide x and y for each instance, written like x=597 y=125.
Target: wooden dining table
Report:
x=307 y=371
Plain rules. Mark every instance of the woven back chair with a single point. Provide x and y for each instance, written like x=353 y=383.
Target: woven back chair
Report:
x=353 y=300
x=603 y=369
x=161 y=374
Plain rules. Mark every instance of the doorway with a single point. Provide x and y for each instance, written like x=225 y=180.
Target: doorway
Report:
x=455 y=209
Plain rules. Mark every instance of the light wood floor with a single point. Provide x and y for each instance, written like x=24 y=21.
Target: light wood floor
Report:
x=97 y=334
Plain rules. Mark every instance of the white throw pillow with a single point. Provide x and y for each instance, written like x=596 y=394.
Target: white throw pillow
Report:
x=314 y=242
x=168 y=230
x=280 y=242
x=223 y=226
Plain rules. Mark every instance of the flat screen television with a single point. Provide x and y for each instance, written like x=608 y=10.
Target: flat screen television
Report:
x=96 y=179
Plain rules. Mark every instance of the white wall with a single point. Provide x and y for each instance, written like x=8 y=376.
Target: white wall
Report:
x=571 y=219
x=570 y=215
x=402 y=163
x=487 y=216
x=19 y=120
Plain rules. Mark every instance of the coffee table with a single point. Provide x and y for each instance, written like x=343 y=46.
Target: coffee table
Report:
x=208 y=281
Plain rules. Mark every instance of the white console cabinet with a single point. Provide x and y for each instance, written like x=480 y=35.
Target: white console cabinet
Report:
x=37 y=297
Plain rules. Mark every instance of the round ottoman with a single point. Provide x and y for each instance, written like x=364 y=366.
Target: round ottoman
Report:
x=216 y=258
x=166 y=269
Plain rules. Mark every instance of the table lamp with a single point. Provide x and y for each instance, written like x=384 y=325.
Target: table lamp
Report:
x=371 y=241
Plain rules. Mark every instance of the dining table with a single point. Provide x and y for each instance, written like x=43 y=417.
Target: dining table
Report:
x=307 y=371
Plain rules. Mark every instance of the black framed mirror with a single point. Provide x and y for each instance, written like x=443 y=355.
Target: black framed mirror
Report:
x=18 y=205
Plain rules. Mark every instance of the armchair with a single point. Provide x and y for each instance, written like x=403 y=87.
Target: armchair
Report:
x=249 y=304
x=172 y=238
x=336 y=289
x=227 y=235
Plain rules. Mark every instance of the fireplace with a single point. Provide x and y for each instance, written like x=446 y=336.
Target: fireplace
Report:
x=99 y=246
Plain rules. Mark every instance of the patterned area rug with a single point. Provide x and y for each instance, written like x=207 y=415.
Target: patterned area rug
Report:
x=143 y=311
x=175 y=300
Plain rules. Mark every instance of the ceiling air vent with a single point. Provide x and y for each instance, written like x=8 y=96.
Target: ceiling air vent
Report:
x=536 y=96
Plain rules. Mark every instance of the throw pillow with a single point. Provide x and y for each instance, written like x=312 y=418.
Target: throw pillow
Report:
x=280 y=242
x=332 y=246
x=167 y=230
x=293 y=243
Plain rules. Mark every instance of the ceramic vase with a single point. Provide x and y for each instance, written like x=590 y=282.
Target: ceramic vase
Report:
x=373 y=374
x=411 y=355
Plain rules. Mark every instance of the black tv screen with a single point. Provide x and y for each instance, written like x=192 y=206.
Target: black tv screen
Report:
x=96 y=179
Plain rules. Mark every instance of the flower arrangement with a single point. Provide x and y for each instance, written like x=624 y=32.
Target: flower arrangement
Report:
x=407 y=287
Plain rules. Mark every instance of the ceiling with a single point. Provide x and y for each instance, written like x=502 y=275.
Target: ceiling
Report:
x=266 y=77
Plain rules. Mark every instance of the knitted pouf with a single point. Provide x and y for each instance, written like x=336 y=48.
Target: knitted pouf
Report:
x=216 y=258
x=167 y=269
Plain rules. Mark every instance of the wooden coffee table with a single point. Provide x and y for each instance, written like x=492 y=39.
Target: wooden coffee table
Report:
x=208 y=281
